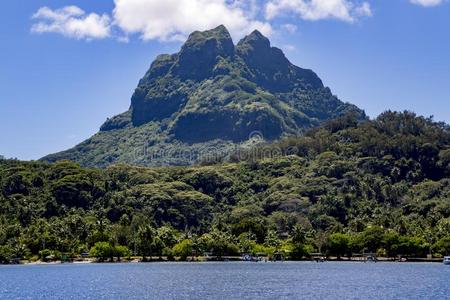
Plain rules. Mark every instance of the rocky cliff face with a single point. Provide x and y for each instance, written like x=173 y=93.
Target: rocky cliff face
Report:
x=215 y=91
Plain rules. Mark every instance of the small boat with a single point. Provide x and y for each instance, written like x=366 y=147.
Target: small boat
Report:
x=446 y=260
x=249 y=257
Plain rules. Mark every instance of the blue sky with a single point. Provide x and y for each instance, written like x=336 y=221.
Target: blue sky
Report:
x=65 y=66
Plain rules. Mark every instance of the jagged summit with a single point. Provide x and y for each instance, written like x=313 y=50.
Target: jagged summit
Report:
x=201 y=53
x=212 y=92
x=270 y=68
x=255 y=39
x=220 y=33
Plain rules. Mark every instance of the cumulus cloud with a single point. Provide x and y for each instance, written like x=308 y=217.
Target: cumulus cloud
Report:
x=173 y=19
x=168 y=20
x=72 y=21
x=427 y=3
x=344 y=10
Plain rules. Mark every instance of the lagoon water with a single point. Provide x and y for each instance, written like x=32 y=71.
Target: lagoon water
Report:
x=227 y=280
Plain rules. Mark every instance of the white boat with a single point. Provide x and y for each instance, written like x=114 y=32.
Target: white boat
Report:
x=446 y=260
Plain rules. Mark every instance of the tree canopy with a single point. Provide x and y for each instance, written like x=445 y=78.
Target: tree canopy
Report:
x=347 y=187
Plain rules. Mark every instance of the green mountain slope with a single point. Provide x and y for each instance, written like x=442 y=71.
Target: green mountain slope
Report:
x=211 y=95
x=346 y=187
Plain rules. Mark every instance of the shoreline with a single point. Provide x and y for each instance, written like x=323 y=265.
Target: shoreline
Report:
x=203 y=259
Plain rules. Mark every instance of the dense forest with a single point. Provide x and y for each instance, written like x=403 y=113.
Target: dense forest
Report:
x=344 y=188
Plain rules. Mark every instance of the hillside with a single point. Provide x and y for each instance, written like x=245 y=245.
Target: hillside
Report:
x=210 y=97
x=345 y=187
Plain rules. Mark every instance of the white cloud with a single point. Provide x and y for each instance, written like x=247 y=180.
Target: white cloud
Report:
x=289 y=47
x=427 y=3
x=174 y=19
x=72 y=21
x=168 y=20
x=291 y=28
x=344 y=10
x=363 y=10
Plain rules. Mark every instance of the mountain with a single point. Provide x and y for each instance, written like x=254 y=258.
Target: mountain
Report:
x=209 y=98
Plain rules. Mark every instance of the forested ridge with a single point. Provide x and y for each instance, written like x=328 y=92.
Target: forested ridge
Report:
x=346 y=187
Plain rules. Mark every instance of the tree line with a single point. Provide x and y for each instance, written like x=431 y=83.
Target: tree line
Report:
x=345 y=188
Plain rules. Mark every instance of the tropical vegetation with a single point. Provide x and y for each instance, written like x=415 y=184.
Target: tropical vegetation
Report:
x=345 y=188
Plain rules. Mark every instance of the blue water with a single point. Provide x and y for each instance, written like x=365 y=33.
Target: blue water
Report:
x=229 y=280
